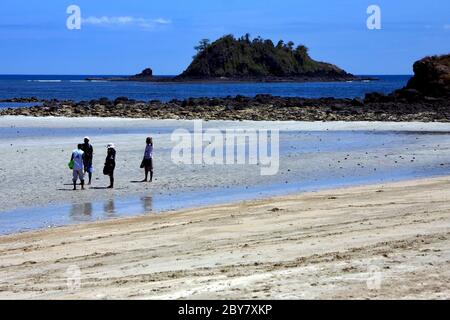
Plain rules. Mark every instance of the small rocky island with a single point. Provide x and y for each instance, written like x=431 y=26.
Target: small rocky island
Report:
x=245 y=59
x=146 y=76
x=426 y=98
x=258 y=60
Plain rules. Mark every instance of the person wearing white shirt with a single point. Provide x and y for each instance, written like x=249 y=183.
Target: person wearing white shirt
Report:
x=78 y=166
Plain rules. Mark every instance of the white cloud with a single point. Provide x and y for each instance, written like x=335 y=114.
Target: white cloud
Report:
x=163 y=21
x=124 y=21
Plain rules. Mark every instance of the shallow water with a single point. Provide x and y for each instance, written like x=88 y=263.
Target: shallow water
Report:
x=21 y=220
x=346 y=158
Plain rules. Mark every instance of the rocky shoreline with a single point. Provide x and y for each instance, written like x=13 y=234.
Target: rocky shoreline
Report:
x=375 y=107
x=426 y=98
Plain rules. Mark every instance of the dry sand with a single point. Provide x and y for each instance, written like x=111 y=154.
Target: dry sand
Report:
x=381 y=241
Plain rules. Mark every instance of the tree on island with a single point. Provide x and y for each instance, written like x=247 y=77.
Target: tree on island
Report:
x=202 y=45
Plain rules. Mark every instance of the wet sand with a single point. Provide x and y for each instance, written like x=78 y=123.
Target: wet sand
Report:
x=35 y=153
x=380 y=241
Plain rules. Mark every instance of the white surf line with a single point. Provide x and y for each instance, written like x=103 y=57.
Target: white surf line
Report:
x=67 y=122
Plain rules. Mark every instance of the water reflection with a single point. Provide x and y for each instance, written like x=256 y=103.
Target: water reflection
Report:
x=147 y=204
x=109 y=208
x=81 y=212
x=89 y=211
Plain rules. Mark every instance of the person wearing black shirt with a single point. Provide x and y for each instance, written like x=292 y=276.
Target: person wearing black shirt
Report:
x=110 y=164
x=88 y=158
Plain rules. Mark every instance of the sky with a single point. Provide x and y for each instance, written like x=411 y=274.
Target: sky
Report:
x=124 y=37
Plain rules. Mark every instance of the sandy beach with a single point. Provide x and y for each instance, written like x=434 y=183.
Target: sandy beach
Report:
x=224 y=151
x=345 y=217
x=380 y=241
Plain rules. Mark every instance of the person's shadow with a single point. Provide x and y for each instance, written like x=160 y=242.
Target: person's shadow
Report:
x=106 y=188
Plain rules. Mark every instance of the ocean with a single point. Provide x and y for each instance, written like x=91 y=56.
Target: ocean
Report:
x=77 y=89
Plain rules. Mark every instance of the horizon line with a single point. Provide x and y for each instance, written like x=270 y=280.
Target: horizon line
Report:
x=167 y=75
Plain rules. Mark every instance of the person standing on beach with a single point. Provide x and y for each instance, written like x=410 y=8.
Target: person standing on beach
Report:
x=147 y=162
x=78 y=166
x=88 y=158
x=110 y=164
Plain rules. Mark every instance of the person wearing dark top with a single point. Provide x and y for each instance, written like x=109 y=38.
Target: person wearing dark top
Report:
x=110 y=164
x=88 y=158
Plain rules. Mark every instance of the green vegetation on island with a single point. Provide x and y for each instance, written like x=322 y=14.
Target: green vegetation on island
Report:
x=244 y=58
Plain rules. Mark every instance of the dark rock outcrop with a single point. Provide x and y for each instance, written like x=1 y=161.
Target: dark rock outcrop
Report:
x=431 y=82
x=146 y=74
x=431 y=76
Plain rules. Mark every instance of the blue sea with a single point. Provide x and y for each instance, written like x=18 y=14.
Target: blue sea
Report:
x=77 y=88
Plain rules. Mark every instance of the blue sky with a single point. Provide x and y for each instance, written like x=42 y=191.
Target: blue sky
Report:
x=123 y=37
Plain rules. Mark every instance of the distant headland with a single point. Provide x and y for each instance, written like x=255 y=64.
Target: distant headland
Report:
x=232 y=60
